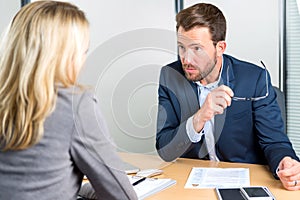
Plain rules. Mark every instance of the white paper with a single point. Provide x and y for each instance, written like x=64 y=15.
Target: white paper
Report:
x=150 y=185
x=201 y=177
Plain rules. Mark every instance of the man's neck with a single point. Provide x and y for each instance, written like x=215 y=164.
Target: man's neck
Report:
x=214 y=75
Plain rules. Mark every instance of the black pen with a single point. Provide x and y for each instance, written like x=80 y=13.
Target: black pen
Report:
x=138 y=181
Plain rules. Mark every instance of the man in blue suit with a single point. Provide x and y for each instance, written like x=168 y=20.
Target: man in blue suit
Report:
x=214 y=106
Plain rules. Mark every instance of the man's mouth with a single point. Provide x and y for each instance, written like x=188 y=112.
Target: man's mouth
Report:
x=189 y=69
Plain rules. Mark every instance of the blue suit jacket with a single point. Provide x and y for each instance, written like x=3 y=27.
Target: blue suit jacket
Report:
x=247 y=131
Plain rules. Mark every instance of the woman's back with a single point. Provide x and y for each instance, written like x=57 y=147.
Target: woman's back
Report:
x=73 y=143
x=48 y=165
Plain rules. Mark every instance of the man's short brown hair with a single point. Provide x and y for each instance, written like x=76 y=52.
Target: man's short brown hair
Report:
x=203 y=15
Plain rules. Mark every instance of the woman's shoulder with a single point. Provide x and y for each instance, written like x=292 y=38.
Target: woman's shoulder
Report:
x=76 y=93
x=75 y=97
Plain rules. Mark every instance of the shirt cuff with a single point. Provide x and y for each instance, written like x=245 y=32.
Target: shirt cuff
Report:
x=276 y=173
x=191 y=132
x=277 y=170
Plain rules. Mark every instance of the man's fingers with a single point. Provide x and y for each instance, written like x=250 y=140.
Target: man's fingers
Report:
x=227 y=89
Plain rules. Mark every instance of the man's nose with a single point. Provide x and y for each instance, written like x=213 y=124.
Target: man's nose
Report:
x=187 y=57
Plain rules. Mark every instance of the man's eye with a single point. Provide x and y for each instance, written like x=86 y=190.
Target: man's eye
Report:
x=198 y=48
x=181 y=48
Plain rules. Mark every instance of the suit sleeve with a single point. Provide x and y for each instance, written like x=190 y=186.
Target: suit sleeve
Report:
x=270 y=128
x=94 y=153
x=177 y=102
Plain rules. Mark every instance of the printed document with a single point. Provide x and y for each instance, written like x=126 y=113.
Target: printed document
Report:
x=201 y=177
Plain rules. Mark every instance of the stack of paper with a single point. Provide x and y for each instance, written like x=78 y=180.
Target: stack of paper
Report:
x=150 y=186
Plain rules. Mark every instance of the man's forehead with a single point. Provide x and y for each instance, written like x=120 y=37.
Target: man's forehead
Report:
x=195 y=35
x=194 y=30
x=186 y=41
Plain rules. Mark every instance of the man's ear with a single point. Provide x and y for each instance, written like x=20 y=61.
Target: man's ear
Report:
x=221 y=46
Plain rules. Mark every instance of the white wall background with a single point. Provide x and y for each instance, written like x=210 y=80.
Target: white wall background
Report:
x=8 y=9
x=132 y=39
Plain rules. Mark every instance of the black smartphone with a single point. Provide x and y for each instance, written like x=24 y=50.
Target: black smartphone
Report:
x=229 y=194
x=245 y=193
x=257 y=193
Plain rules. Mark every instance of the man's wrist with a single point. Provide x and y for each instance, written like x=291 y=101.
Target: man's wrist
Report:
x=193 y=135
x=198 y=124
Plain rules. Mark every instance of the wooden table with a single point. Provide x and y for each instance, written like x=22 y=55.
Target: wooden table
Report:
x=180 y=169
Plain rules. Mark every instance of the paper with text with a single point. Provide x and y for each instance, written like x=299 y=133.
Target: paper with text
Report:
x=217 y=177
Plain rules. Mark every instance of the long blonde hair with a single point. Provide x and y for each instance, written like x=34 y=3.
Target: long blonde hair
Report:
x=43 y=48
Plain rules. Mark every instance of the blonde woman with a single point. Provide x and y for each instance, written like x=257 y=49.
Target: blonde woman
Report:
x=52 y=132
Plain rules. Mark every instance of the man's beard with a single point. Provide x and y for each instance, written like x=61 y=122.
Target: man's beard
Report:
x=209 y=67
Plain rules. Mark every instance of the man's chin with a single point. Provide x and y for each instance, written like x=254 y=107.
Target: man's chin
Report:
x=191 y=77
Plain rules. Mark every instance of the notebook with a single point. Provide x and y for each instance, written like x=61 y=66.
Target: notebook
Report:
x=150 y=186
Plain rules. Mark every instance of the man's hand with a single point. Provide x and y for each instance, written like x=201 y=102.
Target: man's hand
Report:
x=289 y=173
x=215 y=103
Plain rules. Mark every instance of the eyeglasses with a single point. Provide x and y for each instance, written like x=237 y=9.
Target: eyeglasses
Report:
x=235 y=98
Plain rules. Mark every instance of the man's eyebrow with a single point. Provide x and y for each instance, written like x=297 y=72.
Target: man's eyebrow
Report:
x=191 y=45
x=195 y=44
